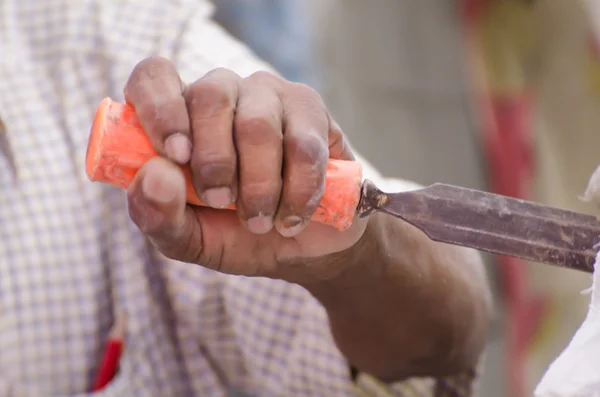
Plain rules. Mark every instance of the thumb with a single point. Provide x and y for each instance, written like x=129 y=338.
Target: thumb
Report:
x=157 y=205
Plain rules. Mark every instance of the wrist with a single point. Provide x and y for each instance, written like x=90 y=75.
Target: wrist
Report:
x=359 y=268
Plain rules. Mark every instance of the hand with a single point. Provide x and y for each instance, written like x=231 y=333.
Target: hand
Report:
x=261 y=142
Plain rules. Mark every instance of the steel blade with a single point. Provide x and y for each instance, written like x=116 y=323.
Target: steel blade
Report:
x=493 y=223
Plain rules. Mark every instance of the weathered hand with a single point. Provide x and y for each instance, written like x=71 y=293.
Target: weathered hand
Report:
x=261 y=142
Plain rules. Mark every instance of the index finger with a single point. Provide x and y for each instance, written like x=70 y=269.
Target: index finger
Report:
x=155 y=90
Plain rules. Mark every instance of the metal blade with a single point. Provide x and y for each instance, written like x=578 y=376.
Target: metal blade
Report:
x=493 y=223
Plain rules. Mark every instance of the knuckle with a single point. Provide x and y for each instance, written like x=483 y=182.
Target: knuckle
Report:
x=154 y=89
x=307 y=149
x=154 y=62
x=256 y=130
x=151 y=66
x=265 y=78
x=306 y=94
x=209 y=98
x=146 y=72
x=305 y=89
x=222 y=73
x=305 y=106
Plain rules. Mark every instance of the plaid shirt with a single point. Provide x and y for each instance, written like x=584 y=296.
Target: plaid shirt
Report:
x=70 y=257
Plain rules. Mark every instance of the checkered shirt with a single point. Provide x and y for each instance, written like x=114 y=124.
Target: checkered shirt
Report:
x=70 y=257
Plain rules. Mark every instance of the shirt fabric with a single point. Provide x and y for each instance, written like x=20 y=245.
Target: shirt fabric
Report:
x=70 y=257
x=575 y=371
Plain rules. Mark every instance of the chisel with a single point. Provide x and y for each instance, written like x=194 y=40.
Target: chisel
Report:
x=492 y=223
x=118 y=147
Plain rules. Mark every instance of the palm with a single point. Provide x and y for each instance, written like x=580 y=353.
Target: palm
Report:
x=230 y=248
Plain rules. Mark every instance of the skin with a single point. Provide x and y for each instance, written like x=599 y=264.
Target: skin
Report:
x=399 y=304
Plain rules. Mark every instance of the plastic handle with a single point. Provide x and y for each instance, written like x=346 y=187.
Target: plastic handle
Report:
x=118 y=147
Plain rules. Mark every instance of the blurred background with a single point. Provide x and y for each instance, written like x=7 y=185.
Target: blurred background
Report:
x=499 y=95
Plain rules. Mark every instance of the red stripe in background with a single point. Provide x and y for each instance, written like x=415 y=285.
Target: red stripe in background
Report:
x=507 y=145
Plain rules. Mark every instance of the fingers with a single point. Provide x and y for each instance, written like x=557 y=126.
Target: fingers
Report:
x=156 y=199
x=260 y=142
x=155 y=90
x=338 y=146
x=258 y=139
x=305 y=158
x=211 y=103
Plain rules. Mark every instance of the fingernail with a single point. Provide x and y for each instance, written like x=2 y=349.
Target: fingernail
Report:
x=218 y=197
x=179 y=148
x=292 y=225
x=160 y=185
x=260 y=224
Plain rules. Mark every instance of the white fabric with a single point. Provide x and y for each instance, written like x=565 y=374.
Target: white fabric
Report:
x=576 y=372
x=70 y=257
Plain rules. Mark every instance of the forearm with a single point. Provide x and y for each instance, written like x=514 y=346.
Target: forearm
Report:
x=407 y=306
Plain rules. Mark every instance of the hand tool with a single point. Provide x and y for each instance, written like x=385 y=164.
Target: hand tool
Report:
x=118 y=147
x=492 y=223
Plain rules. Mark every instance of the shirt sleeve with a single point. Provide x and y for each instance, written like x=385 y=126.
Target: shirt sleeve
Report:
x=204 y=45
x=281 y=329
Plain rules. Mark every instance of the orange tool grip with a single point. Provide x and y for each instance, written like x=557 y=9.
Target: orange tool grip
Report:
x=118 y=147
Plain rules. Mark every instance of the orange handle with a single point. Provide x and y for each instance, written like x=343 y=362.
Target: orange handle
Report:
x=118 y=147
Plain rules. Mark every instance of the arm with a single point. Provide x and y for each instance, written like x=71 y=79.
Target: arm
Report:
x=387 y=273
x=407 y=306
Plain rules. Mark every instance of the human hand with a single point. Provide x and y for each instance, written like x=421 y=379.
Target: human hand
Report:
x=261 y=142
